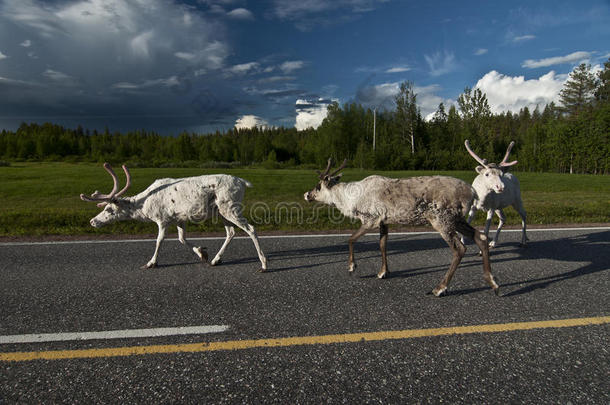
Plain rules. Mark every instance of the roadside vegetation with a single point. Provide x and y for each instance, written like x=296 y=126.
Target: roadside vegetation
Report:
x=43 y=198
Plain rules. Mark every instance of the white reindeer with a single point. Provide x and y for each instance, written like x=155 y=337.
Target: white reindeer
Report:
x=378 y=201
x=178 y=201
x=496 y=189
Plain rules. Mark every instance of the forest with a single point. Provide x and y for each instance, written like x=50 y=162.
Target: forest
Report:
x=571 y=137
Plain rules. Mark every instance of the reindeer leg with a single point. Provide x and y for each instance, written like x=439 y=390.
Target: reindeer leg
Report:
x=230 y=230
x=352 y=264
x=458 y=249
x=241 y=222
x=383 y=240
x=471 y=213
x=160 y=236
x=502 y=218
x=199 y=251
x=490 y=215
x=519 y=207
x=481 y=241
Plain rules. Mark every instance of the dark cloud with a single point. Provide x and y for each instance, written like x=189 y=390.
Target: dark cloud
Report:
x=116 y=63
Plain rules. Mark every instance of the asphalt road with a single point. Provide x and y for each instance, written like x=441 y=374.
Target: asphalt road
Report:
x=77 y=287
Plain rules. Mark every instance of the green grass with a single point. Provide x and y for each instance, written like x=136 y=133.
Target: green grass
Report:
x=42 y=198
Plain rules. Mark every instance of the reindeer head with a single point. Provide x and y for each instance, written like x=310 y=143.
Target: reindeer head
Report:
x=115 y=208
x=492 y=173
x=327 y=181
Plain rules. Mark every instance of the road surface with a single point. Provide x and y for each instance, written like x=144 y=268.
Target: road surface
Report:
x=81 y=322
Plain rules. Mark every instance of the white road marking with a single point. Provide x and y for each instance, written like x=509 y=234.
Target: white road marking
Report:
x=112 y=334
x=327 y=235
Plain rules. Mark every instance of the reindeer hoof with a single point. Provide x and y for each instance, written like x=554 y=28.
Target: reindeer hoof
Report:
x=216 y=262
x=261 y=270
x=382 y=275
x=438 y=292
x=497 y=291
x=149 y=266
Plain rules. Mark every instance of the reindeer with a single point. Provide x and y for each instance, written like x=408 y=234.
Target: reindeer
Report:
x=178 y=201
x=496 y=189
x=378 y=201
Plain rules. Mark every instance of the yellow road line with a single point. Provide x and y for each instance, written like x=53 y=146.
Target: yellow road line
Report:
x=296 y=341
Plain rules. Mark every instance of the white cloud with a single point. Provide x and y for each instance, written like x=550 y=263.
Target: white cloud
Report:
x=428 y=101
x=185 y=55
x=20 y=84
x=167 y=82
x=398 y=69
x=506 y=93
x=140 y=44
x=441 y=63
x=251 y=121
x=523 y=38
x=276 y=79
x=240 y=14
x=480 y=51
x=557 y=60
x=293 y=10
x=3 y=56
x=290 y=66
x=55 y=75
x=310 y=113
x=26 y=44
x=243 y=68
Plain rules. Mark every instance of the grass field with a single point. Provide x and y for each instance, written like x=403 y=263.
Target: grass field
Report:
x=42 y=198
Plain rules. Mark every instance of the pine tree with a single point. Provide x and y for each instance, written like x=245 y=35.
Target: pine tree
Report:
x=602 y=92
x=577 y=93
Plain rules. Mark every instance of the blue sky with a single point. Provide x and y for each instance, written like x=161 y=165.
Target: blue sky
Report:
x=203 y=65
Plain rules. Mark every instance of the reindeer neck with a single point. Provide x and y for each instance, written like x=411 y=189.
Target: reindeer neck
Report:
x=338 y=196
x=135 y=207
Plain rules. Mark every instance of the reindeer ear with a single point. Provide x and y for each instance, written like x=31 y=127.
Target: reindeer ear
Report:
x=480 y=169
x=334 y=180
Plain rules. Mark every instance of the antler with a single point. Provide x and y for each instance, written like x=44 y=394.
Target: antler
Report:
x=504 y=163
x=340 y=168
x=474 y=155
x=103 y=199
x=322 y=175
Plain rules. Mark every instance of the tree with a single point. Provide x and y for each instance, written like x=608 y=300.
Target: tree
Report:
x=602 y=92
x=474 y=104
x=407 y=112
x=577 y=93
x=476 y=115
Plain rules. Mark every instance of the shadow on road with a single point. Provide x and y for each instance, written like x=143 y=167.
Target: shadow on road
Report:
x=592 y=248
